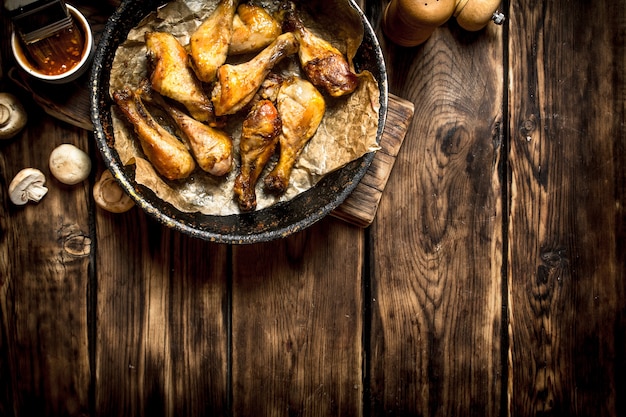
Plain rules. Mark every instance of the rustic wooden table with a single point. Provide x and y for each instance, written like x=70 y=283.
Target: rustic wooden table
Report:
x=491 y=282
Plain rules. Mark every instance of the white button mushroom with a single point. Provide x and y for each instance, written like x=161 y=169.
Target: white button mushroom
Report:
x=12 y=116
x=28 y=185
x=109 y=195
x=69 y=164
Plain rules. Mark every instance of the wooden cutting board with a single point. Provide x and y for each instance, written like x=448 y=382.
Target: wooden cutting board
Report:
x=71 y=104
x=360 y=206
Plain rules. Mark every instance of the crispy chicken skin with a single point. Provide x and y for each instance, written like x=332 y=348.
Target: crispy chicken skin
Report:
x=171 y=76
x=209 y=43
x=212 y=148
x=258 y=141
x=253 y=29
x=237 y=84
x=324 y=65
x=301 y=108
x=166 y=153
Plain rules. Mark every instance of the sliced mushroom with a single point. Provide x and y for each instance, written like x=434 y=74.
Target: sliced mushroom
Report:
x=28 y=185
x=69 y=164
x=110 y=196
x=12 y=116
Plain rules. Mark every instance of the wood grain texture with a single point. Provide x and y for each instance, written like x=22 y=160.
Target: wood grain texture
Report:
x=567 y=197
x=436 y=280
x=162 y=314
x=490 y=283
x=45 y=257
x=297 y=324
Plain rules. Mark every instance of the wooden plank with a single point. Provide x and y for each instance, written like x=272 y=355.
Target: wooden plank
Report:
x=436 y=301
x=297 y=324
x=44 y=269
x=162 y=332
x=566 y=250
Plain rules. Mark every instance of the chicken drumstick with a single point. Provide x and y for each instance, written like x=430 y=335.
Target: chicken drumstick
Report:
x=209 y=43
x=172 y=77
x=237 y=84
x=301 y=108
x=323 y=64
x=166 y=153
x=259 y=137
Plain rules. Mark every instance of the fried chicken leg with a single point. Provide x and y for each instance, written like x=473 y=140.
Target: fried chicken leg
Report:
x=301 y=108
x=259 y=137
x=166 y=153
x=324 y=65
x=212 y=148
x=253 y=29
x=171 y=76
x=209 y=43
x=237 y=84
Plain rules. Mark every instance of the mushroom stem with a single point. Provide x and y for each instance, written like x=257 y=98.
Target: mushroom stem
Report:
x=34 y=193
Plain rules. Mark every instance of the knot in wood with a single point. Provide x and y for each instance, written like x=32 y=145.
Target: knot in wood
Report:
x=555 y=258
x=77 y=245
x=529 y=125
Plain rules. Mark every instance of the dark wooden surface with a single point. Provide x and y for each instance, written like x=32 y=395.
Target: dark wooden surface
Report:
x=491 y=282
